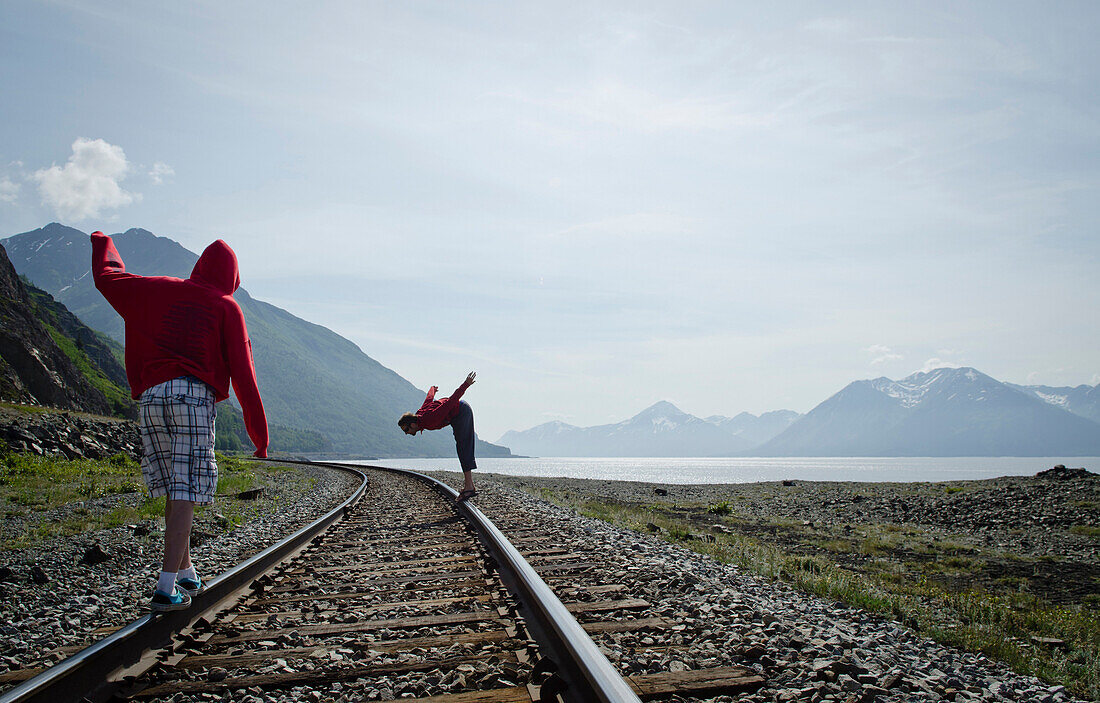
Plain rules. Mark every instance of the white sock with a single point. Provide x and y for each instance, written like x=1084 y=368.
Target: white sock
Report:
x=188 y=573
x=167 y=582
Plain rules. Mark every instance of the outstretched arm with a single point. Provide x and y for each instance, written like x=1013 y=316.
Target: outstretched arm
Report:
x=242 y=372
x=453 y=400
x=448 y=405
x=109 y=273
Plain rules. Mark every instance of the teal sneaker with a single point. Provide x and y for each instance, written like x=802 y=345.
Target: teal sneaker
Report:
x=191 y=586
x=178 y=600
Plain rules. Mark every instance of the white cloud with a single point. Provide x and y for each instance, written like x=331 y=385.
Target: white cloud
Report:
x=937 y=363
x=1095 y=379
x=88 y=183
x=160 y=171
x=9 y=190
x=882 y=354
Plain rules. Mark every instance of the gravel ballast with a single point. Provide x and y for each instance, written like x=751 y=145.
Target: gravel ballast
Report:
x=806 y=648
x=72 y=598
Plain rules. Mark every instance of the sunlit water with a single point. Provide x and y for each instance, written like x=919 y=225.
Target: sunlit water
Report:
x=751 y=469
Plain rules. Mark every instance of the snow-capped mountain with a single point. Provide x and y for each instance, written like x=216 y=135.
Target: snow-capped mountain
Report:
x=755 y=430
x=1080 y=400
x=945 y=412
x=660 y=430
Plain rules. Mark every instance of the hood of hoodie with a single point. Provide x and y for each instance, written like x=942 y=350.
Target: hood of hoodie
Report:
x=217 y=267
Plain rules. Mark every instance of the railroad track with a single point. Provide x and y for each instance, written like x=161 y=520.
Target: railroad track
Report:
x=400 y=593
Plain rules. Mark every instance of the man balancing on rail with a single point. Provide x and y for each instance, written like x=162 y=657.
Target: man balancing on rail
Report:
x=437 y=414
x=185 y=342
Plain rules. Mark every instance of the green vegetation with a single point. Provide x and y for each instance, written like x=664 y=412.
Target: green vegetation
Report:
x=927 y=583
x=118 y=398
x=46 y=482
x=27 y=409
x=722 y=508
x=31 y=485
x=230 y=435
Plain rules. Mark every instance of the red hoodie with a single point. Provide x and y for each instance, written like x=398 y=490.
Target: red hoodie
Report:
x=437 y=414
x=184 y=328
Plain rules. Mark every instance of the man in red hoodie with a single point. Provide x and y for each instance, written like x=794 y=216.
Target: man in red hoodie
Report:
x=437 y=414
x=186 y=342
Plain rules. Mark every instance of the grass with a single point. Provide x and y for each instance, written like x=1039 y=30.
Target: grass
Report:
x=41 y=483
x=118 y=398
x=31 y=485
x=723 y=508
x=27 y=409
x=998 y=622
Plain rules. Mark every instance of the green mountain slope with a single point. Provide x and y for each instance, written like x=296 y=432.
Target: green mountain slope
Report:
x=309 y=376
x=39 y=364
x=95 y=355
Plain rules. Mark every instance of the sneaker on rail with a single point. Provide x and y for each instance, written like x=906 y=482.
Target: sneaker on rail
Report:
x=177 y=600
x=191 y=586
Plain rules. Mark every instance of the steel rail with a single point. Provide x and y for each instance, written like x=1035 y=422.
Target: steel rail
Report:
x=87 y=674
x=588 y=675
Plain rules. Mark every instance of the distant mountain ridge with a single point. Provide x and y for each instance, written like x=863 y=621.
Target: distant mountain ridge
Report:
x=1080 y=400
x=314 y=380
x=309 y=376
x=660 y=430
x=755 y=430
x=945 y=412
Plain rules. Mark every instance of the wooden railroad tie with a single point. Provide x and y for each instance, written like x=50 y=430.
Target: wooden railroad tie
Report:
x=365 y=626
x=698 y=683
x=251 y=658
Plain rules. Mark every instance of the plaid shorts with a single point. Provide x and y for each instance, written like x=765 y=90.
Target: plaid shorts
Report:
x=177 y=435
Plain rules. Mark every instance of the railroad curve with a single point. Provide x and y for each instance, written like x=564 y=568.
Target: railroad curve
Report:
x=406 y=595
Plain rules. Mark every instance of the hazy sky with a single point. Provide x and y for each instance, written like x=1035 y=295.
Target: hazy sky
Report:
x=730 y=205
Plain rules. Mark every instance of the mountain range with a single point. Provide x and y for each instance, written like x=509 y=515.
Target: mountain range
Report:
x=945 y=412
x=1080 y=400
x=310 y=377
x=322 y=393
x=660 y=430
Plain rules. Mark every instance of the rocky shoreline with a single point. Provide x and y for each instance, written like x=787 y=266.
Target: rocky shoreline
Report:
x=1032 y=516
x=1036 y=535
x=807 y=648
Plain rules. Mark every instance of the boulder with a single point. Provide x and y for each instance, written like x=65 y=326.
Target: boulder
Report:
x=95 y=555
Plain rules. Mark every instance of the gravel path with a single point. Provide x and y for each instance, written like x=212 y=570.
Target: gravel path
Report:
x=77 y=598
x=807 y=648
